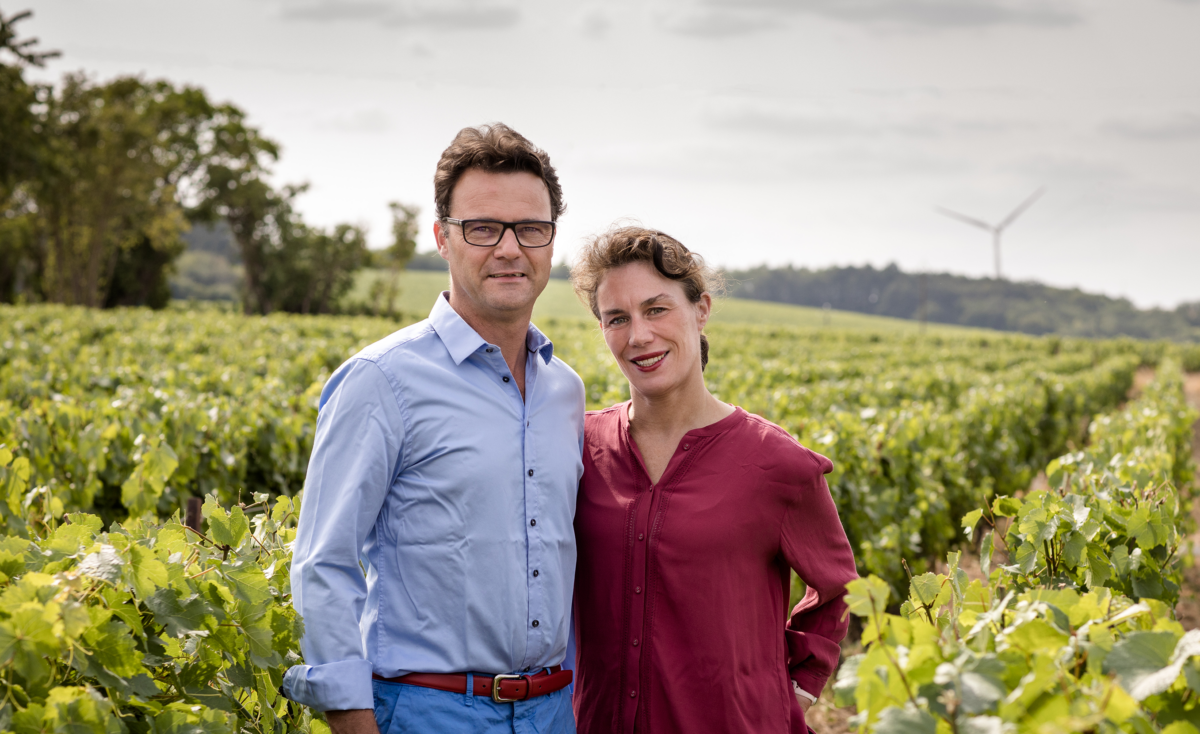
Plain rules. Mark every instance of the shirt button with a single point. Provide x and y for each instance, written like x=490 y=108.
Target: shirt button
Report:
x=641 y=535
x=535 y=623
x=490 y=350
x=635 y=643
x=535 y=573
x=531 y=472
x=506 y=379
x=533 y=522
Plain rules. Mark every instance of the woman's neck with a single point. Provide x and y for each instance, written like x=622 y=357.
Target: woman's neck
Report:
x=674 y=413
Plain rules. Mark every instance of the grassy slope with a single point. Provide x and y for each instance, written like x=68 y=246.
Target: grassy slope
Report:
x=419 y=288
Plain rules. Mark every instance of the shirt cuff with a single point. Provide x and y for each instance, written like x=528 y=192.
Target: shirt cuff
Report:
x=341 y=686
x=803 y=693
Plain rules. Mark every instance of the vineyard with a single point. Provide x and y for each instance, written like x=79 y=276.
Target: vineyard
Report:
x=1021 y=454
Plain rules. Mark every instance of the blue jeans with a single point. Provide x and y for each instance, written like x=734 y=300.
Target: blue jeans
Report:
x=405 y=709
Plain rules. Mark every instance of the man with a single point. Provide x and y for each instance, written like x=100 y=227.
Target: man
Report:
x=446 y=462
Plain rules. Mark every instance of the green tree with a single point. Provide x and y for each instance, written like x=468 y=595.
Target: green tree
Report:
x=395 y=257
x=19 y=129
x=314 y=268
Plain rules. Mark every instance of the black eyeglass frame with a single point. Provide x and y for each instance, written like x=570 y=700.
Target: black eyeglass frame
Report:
x=506 y=226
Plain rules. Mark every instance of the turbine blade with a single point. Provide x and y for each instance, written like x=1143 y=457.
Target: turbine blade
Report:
x=964 y=218
x=1021 y=208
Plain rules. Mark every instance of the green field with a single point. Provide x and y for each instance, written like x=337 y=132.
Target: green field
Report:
x=114 y=617
x=418 y=288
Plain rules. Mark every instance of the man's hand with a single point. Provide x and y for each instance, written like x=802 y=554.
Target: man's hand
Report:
x=358 y=721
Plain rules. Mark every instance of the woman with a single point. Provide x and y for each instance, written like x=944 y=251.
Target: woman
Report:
x=691 y=513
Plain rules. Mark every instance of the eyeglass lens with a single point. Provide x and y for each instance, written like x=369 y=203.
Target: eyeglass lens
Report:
x=485 y=233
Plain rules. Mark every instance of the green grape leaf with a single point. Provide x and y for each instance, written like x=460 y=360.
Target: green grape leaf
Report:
x=970 y=520
x=894 y=720
x=1006 y=507
x=868 y=596
x=1142 y=663
x=179 y=617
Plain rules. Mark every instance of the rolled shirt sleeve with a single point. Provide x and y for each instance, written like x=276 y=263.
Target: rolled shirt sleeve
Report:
x=356 y=456
x=815 y=545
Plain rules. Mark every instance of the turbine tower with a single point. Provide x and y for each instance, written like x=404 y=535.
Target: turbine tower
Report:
x=995 y=229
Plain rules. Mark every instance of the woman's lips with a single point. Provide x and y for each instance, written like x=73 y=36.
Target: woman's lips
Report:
x=649 y=362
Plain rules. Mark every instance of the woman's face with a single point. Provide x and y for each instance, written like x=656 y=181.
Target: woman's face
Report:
x=651 y=328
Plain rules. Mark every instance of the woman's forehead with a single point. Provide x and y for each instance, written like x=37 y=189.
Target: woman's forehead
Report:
x=637 y=282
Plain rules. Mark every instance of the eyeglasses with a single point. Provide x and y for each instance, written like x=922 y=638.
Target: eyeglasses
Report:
x=488 y=232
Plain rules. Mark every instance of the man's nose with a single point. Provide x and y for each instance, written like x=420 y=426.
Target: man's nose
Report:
x=508 y=247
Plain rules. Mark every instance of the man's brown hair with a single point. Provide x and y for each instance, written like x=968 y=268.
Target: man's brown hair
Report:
x=623 y=245
x=495 y=148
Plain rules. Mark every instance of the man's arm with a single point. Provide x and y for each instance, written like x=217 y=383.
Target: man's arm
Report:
x=358 y=721
x=356 y=454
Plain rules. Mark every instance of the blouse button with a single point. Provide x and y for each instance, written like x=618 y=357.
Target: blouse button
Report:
x=635 y=643
x=637 y=589
x=641 y=535
x=685 y=447
x=633 y=694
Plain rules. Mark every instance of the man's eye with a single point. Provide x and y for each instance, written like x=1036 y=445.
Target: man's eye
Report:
x=483 y=230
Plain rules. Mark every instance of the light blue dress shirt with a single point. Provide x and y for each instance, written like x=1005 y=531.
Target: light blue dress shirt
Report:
x=455 y=495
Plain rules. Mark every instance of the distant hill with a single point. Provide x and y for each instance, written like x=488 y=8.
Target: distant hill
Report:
x=1026 y=307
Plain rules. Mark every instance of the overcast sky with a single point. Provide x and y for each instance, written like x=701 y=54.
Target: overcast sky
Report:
x=813 y=132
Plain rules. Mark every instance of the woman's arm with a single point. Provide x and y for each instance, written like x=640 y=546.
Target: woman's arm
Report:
x=815 y=545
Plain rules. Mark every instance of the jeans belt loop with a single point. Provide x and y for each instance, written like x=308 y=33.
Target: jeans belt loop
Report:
x=470 y=692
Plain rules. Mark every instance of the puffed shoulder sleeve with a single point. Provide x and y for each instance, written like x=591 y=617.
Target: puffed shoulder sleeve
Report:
x=815 y=545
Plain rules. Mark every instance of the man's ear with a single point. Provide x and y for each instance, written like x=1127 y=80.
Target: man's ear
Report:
x=440 y=238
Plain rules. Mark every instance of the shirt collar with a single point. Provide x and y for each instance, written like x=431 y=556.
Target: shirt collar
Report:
x=462 y=341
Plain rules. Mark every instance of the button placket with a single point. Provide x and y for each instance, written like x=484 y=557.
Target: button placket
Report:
x=644 y=511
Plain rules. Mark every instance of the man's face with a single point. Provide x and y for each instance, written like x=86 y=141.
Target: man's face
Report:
x=496 y=283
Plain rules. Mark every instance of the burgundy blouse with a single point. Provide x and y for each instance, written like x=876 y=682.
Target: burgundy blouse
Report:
x=682 y=587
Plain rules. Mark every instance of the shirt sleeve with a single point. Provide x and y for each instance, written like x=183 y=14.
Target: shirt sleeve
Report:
x=355 y=457
x=815 y=545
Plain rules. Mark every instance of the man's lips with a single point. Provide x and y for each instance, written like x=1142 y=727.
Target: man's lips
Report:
x=649 y=362
x=507 y=275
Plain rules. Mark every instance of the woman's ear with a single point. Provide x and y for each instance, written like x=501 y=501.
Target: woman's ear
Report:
x=703 y=309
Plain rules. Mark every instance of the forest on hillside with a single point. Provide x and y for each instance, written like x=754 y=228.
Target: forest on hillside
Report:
x=1028 y=307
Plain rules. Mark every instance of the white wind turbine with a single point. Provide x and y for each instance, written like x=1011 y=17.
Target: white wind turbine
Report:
x=995 y=229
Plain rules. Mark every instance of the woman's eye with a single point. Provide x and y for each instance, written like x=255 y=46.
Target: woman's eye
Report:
x=617 y=321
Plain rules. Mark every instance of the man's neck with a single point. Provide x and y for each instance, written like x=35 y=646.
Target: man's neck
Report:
x=508 y=334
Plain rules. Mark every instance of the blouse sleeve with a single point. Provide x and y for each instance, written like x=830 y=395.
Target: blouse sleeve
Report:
x=815 y=545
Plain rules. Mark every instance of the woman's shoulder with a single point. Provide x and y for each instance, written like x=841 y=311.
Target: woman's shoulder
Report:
x=773 y=440
x=603 y=426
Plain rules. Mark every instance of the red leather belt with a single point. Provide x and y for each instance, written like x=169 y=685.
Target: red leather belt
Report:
x=500 y=688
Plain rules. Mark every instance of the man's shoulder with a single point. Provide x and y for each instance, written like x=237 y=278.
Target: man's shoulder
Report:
x=412 y=339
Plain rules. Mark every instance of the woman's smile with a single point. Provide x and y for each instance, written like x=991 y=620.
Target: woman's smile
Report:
x=649 y=362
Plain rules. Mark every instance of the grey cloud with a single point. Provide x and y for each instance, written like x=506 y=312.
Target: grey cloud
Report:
x=366 y=121
x=1185 y=126
x=447 y=14
x=715 y=22
x=790 y=123
x=928 y=13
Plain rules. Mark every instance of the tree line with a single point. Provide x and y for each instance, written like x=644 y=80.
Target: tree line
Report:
x=100 y=180
x=1027 y=307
